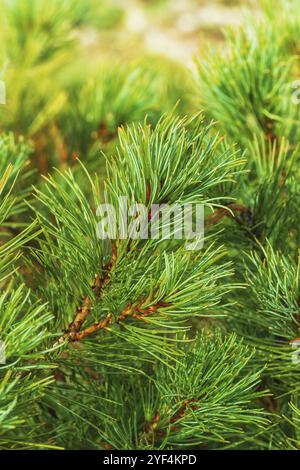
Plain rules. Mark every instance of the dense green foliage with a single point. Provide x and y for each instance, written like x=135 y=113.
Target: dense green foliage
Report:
x=143 y=344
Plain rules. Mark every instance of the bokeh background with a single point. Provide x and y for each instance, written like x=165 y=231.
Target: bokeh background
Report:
x=77 y=70
x=175 y=29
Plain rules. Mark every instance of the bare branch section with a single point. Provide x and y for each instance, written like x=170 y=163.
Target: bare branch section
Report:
x=79 y=335
x=137 y=312
x=73 y=333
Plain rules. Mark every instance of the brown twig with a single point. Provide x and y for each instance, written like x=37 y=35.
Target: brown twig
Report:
x=73 y=333
x=184 y=410
x=137 y=312
x=90 y=330
x=84 y=310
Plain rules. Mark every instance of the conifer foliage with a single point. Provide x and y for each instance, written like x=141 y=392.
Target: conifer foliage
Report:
x=130 y=343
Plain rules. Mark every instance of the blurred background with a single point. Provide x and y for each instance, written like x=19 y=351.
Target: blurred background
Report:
x=76 y=70
x=173 y=28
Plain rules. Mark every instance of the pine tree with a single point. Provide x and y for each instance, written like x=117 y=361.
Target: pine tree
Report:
x=130 y=343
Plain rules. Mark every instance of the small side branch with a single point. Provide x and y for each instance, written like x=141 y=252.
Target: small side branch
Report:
x=90 y=330
x=84 y=310
x=137 y=312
